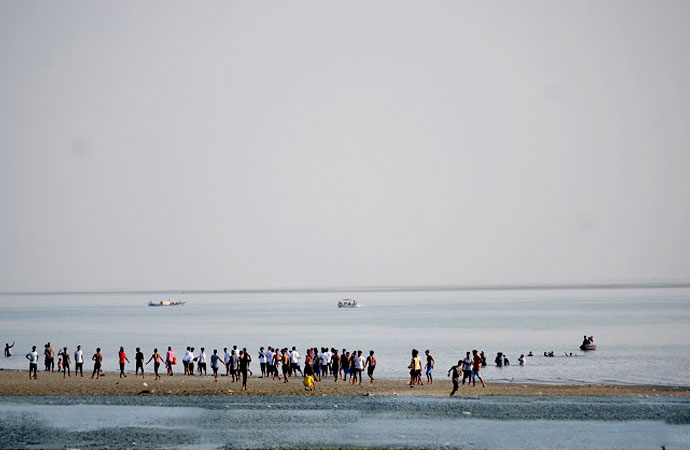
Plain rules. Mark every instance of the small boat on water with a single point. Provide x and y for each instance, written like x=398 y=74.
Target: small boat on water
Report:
x=348 y=303
x=166 y=303
x=588 y=344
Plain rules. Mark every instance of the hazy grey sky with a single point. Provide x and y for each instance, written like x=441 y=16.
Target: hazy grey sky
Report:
x=277 y=144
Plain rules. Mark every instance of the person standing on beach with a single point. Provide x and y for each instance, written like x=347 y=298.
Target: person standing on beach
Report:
x=214 y=364
x=192 y=358
x=46 y=355
x=455 y=370
x=32 y=356
x=415 y=368
x=467 y=369
x=309 y=363
x=202 y=361
x=294 y=362
x=262 y=362
x=276 y=358
x=245 y=359
x=51 y=350
x=476 y=367
x=286 y=364
x=429 y=367
x=325 y=361
x=8 y=351
x=97 y=359
x=371 y=365
x=50 y=358
x=356 y=367
x=65 y=362
x=79 y=361
x=335 y=365
x=345 y=364
x=169 y=360
x=270 y=363
x=185 y=360
x=226 y=361
x=156 y=357
x=235 y=364
x=122 y=358
x=139 y=363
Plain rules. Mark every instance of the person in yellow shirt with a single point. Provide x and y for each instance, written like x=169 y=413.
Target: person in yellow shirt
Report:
x=309 y=383
x=415 y=368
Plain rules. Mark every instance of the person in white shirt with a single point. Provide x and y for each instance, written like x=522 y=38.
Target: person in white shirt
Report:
x=32 y=356
x=226 y=360
x=234 y=364
x=270 y=363
x=78 y=361
x=294 y=362
x=359 y=367
x=323 y=355
x=328 y=359
x=467 y=368
x=262 y=362
x=202 y=362
x=277 y=359
x=522 y=360
x=185 y=360
x=192 y=358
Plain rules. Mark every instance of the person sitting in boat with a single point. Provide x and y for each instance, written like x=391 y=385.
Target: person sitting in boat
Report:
x=585 y=341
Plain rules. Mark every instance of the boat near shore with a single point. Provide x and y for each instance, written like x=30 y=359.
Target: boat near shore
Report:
x=348 y=303
x=166 y=303
x=588 y=347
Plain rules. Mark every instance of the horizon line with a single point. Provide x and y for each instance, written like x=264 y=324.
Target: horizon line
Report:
x=412 y=288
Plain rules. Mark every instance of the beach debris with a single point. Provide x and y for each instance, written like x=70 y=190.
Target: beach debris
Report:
x=466 y=413
x=145 y=392
x=145 y=384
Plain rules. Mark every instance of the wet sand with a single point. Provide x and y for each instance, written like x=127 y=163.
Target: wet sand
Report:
x=17 y=383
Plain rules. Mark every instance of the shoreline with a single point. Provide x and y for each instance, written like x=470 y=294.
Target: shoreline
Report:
x=17 y=383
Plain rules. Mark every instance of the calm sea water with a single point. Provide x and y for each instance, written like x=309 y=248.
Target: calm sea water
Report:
x=344 y=422
x=643 y=334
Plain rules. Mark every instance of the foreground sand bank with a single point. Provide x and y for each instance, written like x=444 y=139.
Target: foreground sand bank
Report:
x=14 y=383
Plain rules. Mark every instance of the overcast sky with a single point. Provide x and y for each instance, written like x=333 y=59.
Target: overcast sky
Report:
x=158 y=145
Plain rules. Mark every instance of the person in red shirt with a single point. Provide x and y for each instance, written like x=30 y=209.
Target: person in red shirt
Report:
x=123 y=358
x=476 y=367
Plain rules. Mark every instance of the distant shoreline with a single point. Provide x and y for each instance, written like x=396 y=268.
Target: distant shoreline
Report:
x=342 y=289
x=16 y=383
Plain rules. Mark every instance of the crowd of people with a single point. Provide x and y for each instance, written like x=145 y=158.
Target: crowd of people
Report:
x=279 y=364
x=276 y=363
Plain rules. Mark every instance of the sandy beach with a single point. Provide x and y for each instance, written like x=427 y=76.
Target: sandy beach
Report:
x=17 y=383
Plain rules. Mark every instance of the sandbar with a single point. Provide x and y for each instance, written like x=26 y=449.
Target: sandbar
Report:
x=17 y=383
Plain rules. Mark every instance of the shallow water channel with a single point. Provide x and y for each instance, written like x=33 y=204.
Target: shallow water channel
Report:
x=344 y=422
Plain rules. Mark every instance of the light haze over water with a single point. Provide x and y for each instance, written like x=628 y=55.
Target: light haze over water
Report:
x=642 y=334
